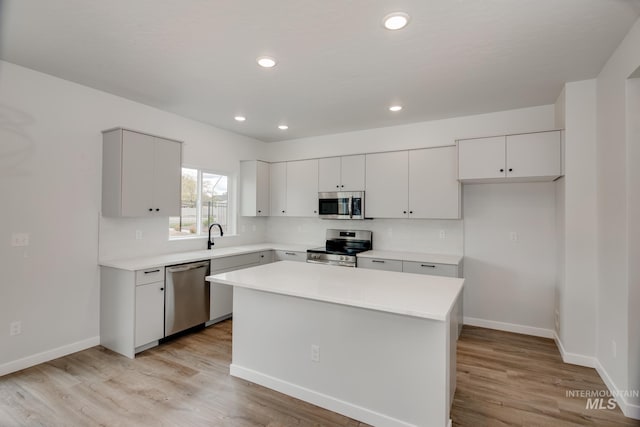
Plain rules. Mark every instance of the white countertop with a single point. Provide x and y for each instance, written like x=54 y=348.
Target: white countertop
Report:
x=424 y=296
x=142 y=263
x=413 y=257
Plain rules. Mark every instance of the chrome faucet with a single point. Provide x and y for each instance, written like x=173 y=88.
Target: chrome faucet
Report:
x=209 y=241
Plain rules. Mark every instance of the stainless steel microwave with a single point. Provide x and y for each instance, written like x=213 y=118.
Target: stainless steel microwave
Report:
x=341 y=205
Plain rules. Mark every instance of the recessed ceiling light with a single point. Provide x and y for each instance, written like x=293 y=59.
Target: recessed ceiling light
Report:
x=283 y=127
x=240 y=118
x=266 y=61
x=395 y=21
x=395 y=108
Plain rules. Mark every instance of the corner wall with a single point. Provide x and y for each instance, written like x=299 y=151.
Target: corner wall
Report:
x=618 y=349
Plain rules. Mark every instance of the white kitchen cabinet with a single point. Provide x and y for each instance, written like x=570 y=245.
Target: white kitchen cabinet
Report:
x=222 y=295
x=346 y=173
x=434 y=189
x=387 y=176
x=254 y=188
x=267 y=257
x=278 y=188
x=302 y=188
x=149 y=313
x=380 y=264
x=290 y=256
x=534 y=155
x=141 y=174
x=430 y=268
x=515 y=158
x=413 y=184
x=131 y=309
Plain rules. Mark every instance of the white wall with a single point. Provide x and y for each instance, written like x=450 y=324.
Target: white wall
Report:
x=50 y=186
x=578 y=228
x=416 y=135
x=510 y=284
x=616 y=175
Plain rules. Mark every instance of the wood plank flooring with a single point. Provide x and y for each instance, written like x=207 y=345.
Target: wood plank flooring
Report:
x=503 y=380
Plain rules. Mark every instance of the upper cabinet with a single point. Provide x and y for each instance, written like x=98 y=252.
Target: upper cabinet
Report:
x=294 y=188
x=254 y=188
x=278 y=189
x=387 y=190
x=434 y=189
x=524 y=157
x=141 y=174
x=344 y=173
x=415 y=184
x=302 y=188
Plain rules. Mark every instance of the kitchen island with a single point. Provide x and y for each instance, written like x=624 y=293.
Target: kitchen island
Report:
x=376 y=346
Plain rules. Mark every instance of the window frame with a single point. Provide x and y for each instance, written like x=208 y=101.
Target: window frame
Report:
x=202 y=232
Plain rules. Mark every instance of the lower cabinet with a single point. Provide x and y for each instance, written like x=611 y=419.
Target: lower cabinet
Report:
x=290 y=256
x=380 y=264
x=149 y=313
x=433 y=269
x=222 y=295
x=131 y=309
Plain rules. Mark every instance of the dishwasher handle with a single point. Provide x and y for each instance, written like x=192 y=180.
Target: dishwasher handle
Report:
x=180 y=268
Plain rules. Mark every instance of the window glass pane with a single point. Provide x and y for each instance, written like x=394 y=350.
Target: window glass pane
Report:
x=214 y=201
x=187 y=223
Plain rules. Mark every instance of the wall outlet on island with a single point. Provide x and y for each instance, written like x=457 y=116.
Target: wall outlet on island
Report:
x=315 y=353
x=15 y=328
x=443 y=234
x=138 y=234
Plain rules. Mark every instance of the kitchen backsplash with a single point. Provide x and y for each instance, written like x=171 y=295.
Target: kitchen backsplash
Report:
x=410 y=235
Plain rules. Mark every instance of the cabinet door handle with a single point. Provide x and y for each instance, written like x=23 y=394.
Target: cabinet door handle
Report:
x=289 y=253
x=342 y=186
x=150 y=209
x=337 y=186
x=259 y=211
x=378 y=261
x=501 y=170
x=282 y=211
x=162 y=289
x=410 y=212
x=157 y=210
x=510 y=170
x=427 y=265
x=152 y=271
x=404 y=212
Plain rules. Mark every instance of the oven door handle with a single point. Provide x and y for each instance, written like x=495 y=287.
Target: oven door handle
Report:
x=338 y=263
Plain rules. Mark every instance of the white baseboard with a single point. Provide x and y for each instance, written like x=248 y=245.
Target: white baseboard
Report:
x=574 y=358
x=628 y=409
x=45 y=356
x=509 y=327
x=324 y=401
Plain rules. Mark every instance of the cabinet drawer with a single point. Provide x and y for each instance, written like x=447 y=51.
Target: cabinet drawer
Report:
x=149 y=275
x=291 y=256
x=380 y=264
x=234 y=261
x=430 y=268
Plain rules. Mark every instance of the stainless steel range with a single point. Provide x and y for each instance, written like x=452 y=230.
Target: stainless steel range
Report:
x=341 y=247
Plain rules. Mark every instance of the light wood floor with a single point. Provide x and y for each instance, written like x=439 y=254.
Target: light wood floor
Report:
x=503 y=379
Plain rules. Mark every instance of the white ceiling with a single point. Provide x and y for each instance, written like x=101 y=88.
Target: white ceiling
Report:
x=338 y=69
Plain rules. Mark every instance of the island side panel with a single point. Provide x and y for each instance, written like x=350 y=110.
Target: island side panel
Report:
x=381 y=368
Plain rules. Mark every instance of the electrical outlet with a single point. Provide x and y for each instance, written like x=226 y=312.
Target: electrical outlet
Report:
x=20 y=239
x=138 y=234
x=513 y=236
x=15 y=328
x=443 y=234
x=315 y=353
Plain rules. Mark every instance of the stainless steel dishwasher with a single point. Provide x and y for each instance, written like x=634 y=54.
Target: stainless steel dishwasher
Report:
x=187 y=299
